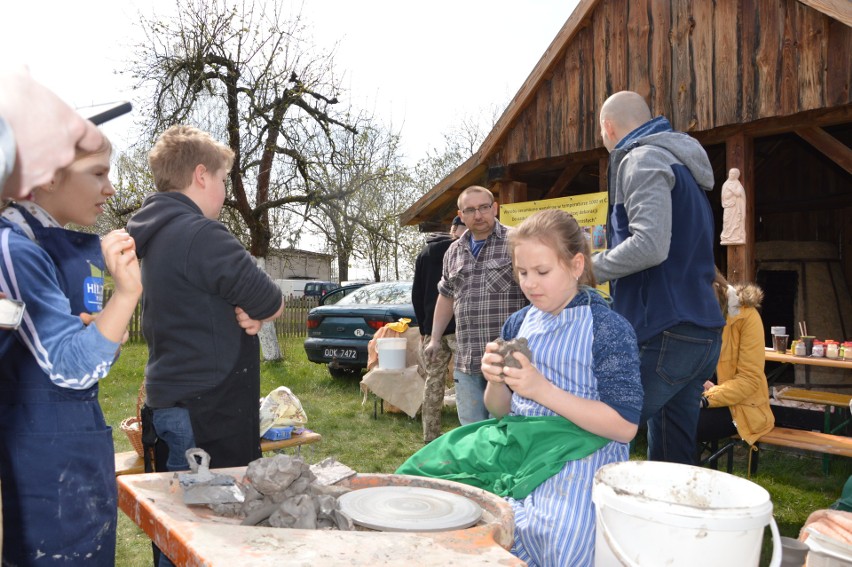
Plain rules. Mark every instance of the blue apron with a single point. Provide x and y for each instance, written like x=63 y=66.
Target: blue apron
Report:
x=57 y=465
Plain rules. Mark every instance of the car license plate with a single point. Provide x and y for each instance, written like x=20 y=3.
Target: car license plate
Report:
x=344 y=353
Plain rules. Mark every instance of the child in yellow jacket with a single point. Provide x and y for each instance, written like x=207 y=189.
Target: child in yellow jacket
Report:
x=739 y=402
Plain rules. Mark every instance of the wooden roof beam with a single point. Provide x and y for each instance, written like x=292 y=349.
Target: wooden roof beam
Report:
x=831 y=147
x=840 y=10
x=565 y=178
x=777 y=125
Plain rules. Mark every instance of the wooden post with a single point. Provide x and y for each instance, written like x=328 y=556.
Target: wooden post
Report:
x=509 y=192
x=739 y=153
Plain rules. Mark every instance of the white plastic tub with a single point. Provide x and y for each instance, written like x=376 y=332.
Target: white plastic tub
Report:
x=391 y=353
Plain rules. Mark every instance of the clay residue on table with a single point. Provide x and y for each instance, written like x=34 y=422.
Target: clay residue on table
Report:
x=282 y=492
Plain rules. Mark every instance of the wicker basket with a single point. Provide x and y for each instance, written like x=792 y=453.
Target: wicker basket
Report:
x=132 y=426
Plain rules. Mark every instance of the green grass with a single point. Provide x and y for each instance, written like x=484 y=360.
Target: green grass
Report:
x=351 y=434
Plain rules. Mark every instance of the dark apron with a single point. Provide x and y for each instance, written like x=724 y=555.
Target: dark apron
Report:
x=56 y=453
x=225 y=420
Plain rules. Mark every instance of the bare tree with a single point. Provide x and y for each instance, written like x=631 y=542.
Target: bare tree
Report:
x=364 y=166
x=246 y=73
x=132 y=180
x=381 y=239
x=460 y=143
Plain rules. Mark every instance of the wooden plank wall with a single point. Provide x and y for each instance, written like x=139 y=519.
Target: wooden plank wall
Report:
x=702 y=64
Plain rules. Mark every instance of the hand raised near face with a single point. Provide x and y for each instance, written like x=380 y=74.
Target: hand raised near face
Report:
x=119 y=251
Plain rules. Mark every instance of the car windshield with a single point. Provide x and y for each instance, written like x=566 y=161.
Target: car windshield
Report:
x=390 y=293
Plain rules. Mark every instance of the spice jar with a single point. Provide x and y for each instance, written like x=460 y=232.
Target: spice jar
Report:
x=819 y=349
x=847 y=350
x=800 y=349
x=832 y=349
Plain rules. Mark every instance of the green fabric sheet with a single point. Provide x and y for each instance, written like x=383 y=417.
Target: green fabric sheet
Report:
x=508 y=457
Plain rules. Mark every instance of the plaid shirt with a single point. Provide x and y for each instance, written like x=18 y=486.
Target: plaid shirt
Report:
x=484 y=294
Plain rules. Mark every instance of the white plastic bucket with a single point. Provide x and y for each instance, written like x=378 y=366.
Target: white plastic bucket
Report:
x=652 y=513
x=391 y=353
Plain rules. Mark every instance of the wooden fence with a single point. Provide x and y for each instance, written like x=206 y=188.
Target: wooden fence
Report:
x=292 y=322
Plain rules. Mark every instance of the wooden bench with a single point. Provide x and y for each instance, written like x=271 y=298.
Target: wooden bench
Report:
x=129 y=462
x=296 y=440
x=830 y=401
x=823 y=443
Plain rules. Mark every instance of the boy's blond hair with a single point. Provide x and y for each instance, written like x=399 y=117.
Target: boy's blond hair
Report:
x=179 y=150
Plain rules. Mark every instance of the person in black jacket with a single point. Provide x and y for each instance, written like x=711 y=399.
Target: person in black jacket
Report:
x=204 y=302
x=424 y=293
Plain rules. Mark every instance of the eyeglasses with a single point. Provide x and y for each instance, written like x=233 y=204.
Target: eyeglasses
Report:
x=482 y=209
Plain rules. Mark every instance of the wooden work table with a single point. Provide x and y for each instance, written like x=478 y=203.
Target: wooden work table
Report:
x=806 y=362
x=193 y=535
x=773 y=356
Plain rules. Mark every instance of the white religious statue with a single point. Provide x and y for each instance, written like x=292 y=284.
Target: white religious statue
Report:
x=734 y=205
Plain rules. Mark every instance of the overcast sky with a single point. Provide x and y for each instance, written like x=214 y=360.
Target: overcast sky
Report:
x=417 y=66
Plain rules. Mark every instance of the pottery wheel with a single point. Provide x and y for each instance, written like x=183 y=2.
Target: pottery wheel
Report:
x=409 y=509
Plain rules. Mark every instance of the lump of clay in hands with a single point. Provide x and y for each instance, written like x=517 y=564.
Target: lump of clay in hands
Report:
x=507 y=350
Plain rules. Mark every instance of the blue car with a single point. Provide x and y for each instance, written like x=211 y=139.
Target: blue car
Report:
x=338 y=333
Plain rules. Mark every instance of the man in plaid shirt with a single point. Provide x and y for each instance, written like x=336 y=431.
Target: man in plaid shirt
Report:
x=478 y=287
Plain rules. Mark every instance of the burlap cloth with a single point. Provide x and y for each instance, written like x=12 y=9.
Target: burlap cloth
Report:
x=400 y=388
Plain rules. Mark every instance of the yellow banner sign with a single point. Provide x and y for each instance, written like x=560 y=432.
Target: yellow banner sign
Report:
x=589 y=210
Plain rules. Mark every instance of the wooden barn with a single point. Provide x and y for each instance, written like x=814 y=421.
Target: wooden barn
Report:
x=764 y=85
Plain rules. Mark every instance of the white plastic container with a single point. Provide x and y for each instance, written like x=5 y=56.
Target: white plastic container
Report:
x=826 y=551
x=391 y=353
x=653 y=513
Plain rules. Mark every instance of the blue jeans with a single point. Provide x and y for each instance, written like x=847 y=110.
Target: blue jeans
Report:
x=175 y=429
x=470 y=389
x=674 y=365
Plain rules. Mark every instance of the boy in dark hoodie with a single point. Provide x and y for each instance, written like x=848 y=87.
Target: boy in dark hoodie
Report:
x=204 y=302
x=659 y=261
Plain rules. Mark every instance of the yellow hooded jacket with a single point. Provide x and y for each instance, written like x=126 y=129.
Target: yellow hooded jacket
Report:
x=741 y=380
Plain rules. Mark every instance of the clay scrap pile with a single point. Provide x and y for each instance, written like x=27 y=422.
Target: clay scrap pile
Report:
x=284 y=492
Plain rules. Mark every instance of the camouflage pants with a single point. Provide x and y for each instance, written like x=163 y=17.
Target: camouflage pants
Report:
x=435 y=373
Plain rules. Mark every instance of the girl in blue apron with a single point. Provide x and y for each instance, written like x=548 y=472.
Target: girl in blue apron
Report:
x=57 y=472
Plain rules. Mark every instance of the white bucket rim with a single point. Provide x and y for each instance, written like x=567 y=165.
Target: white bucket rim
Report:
x=393 y=342
x=723 y=518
